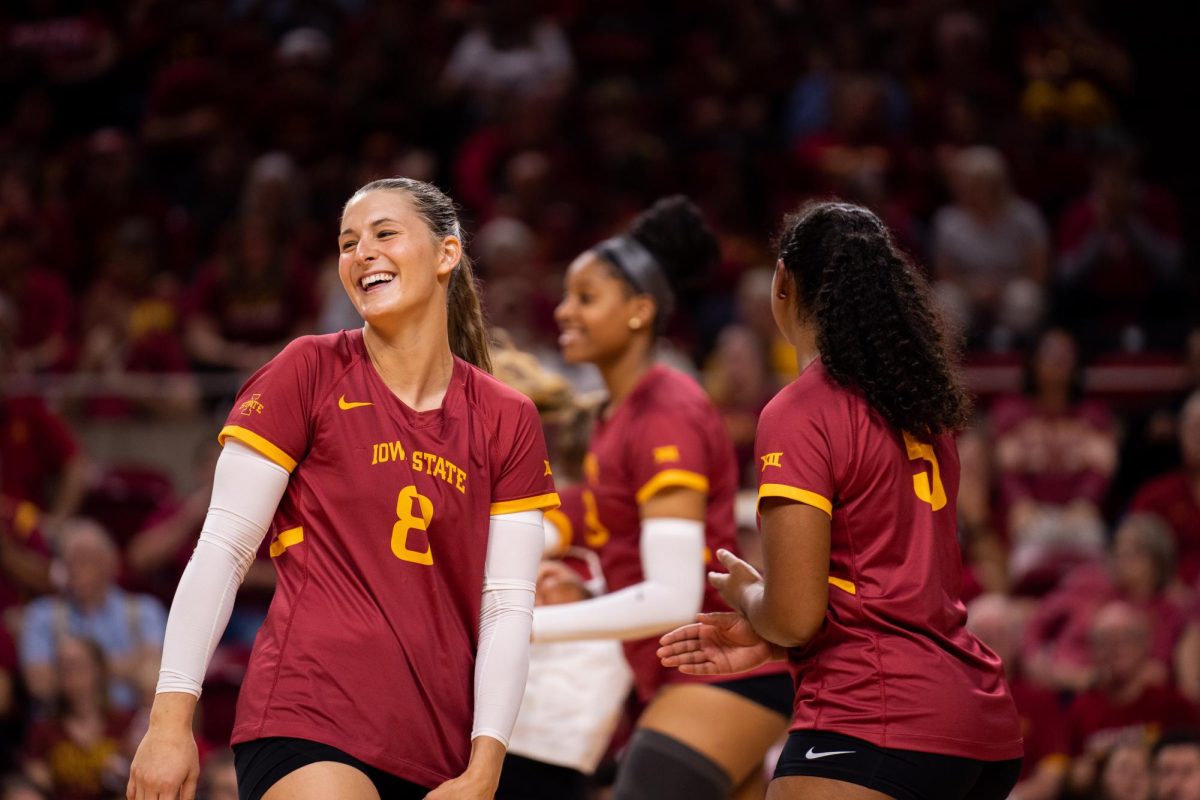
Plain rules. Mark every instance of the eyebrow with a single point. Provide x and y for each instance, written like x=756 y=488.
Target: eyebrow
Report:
x=373 y=223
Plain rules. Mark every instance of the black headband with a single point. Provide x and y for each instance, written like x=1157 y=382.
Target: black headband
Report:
x=642 y=270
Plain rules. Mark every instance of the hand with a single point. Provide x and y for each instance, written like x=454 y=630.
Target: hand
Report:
x=717 y=644
x=482 y=776
x=464 y=787
x=166 y=765
x=740 y=579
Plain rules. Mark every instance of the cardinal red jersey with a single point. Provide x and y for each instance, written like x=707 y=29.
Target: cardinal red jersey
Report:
x=379 y=545
x=893 y=662
x=665 y=434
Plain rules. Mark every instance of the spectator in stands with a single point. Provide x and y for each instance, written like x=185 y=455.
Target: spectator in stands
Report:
x=77 y=752
x=129 y=628
x=990 y=252
x=1120 y=255
x=1000 y=622
x=36 y=306
x=131 y=327
x=740 y=383
x=1059 y=650
x=1176 y=774
x=1176 y=496
x=24 y=557
x=249 y=303
x=1055 y=455
x=43 y=471
x=509 y=53
x=1125 y=773
x=1129 y=700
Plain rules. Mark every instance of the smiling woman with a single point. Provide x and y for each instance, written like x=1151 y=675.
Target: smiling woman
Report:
x=660 y=482
x=396 y=583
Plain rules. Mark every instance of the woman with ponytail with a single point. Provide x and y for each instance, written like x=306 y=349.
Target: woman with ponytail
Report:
x=657 y=498
x=860 y=586
x=405 y=488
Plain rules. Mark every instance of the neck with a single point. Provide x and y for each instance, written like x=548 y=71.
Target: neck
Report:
x=91 y=602
x=414 y=363
x=1054 y=399
x=804 y=339
x=622 y=374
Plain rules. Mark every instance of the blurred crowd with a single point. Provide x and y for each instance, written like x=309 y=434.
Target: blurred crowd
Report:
x=171 y=176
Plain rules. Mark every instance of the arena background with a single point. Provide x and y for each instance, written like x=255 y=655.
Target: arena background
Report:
x=171 y=176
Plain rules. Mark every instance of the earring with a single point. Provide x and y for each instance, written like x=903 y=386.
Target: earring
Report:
x=635 y=324
x=781 y=295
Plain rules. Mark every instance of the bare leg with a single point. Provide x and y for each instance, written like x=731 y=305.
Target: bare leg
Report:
x=322 y=780
x=731 y=731
x=804 y=787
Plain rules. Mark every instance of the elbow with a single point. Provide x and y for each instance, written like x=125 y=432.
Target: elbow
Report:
x=794 y=629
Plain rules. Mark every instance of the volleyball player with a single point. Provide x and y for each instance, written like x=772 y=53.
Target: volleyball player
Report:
x=860 y=591
x=659 y=483
x=405 y=488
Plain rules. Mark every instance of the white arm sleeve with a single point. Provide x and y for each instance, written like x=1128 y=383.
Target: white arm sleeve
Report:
x=247 y=488
x=670 y=595
x=515 y=544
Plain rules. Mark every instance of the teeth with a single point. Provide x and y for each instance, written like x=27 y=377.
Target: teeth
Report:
x=371 y=280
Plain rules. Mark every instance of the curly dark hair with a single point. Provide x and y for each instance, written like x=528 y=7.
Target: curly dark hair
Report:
x=877 y=327
x=675 y=233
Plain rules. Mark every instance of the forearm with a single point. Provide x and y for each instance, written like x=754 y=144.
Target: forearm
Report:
x=768 y=622
x=672 y=552
x=635 y=612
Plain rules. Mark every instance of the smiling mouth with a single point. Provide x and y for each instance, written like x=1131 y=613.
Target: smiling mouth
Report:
x=376 y=281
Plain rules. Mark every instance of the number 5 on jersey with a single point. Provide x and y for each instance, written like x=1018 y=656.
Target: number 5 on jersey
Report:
x=407 y=521
x=927 y=485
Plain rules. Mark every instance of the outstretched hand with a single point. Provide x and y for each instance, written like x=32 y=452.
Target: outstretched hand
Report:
x=719 y=643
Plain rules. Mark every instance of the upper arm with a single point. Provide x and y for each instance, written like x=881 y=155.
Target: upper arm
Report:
x=669 y=463
x=523 y=481
x=795 y=563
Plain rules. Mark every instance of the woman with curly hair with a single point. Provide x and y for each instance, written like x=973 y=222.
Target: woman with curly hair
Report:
x=858 y=476
x=656 y=501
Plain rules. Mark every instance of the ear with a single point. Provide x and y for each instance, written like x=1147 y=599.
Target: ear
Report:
x=450 y=255
x=781 y=281
x=642 y=308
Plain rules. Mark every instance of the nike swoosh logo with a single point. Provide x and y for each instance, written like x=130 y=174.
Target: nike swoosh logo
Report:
x=344 y=406
x=811 y=754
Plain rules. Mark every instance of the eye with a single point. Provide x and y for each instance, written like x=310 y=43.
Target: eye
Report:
x=584 y=298
x=348 y=245
x=385 y=234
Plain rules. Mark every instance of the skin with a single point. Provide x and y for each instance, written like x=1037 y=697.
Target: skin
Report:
x=604 y=323
x=406 y=336
x=771 y=616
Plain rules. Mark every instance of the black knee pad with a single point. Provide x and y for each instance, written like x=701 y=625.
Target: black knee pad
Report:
x=657 y=767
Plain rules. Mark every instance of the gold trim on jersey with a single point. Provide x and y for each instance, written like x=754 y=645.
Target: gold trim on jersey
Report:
x=566 y=531
x=671 y=478
x=799 y=495
x=843 y=584
x=540 y=502
x=285 y=540
x=253 y=440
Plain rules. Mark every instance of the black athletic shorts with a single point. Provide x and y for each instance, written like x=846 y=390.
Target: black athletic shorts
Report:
x=773 y=692
x=261 y=763
x=902 y=774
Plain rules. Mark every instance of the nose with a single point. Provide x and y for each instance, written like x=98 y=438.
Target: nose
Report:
x=563 y=310
x=365 y=252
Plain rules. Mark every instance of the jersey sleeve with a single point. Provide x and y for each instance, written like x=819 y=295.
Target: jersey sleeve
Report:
x=666 y=450
x=523 y=481
x=272 y=412
x=794 y=457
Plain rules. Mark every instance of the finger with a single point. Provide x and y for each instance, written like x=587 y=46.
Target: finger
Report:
x=188 y=792
x=678 y=648
x=690 y=659
x=681 y=634
x=718 y=579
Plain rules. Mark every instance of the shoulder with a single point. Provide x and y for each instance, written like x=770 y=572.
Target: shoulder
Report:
x=496 y=398
x=667 y=389
x=1160 y=489
x=328 y=350
x=812 y=392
